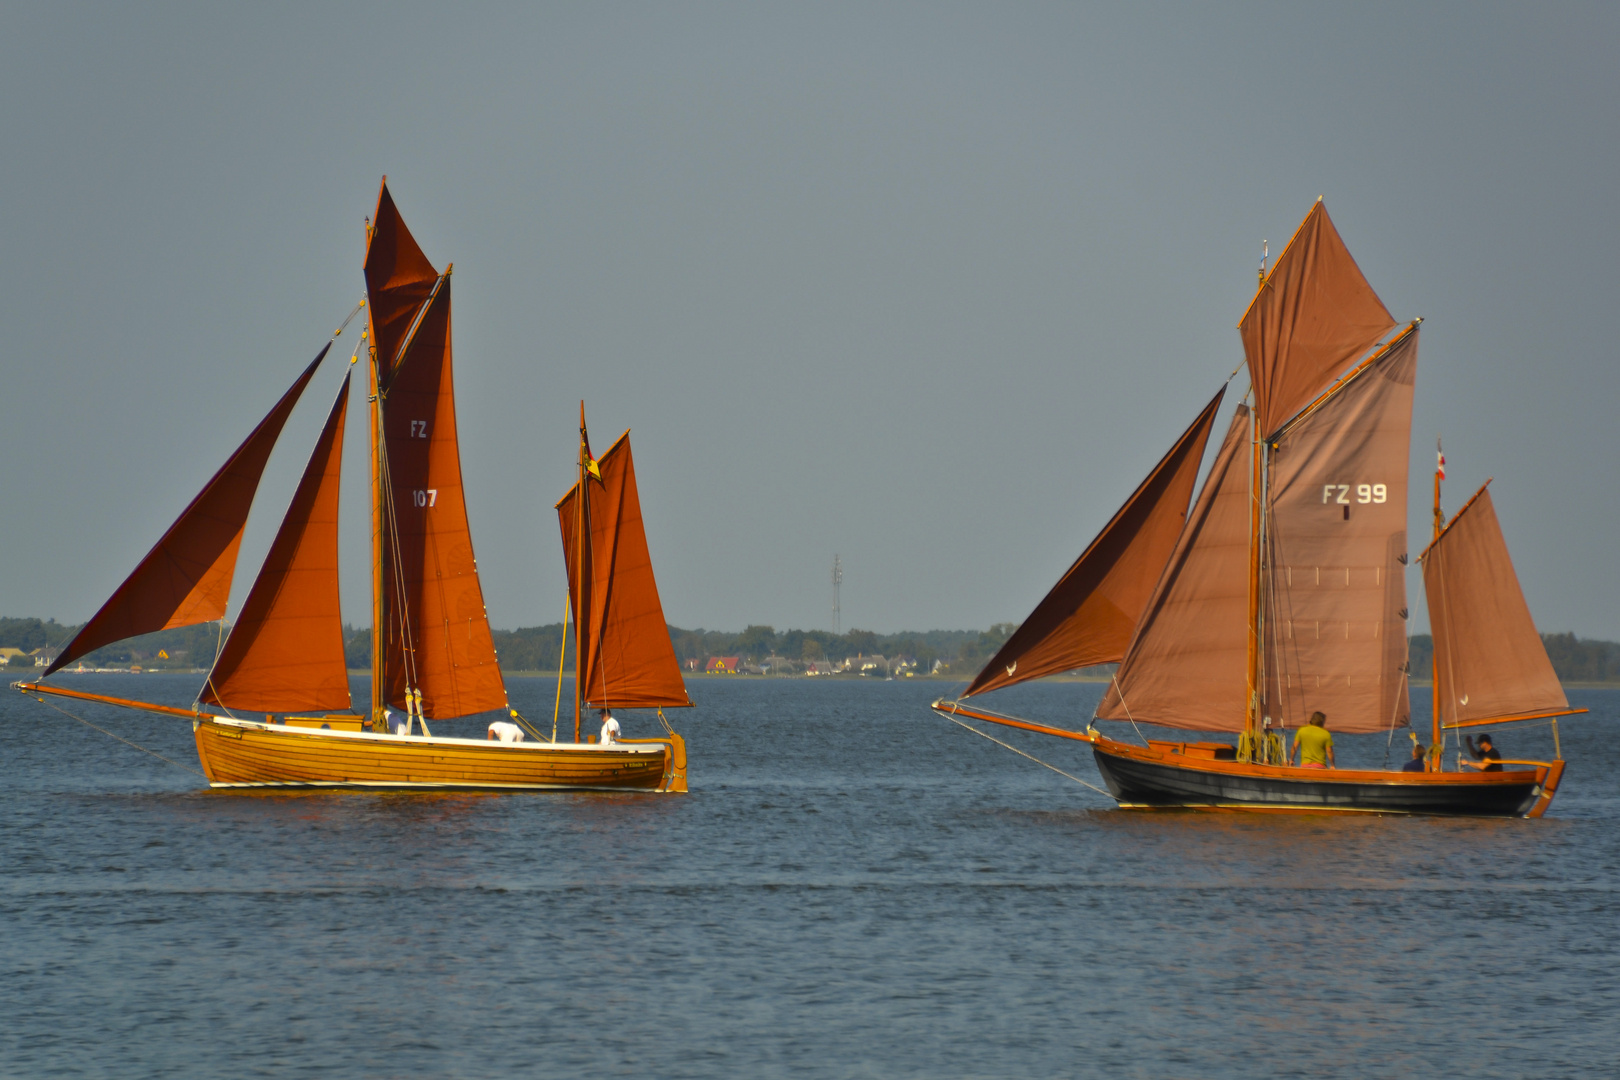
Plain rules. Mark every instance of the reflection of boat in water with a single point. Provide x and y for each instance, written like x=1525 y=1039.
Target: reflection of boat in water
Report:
x=1280 y=590
x=433 y=655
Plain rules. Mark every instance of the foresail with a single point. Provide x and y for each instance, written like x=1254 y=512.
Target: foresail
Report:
x=627 y=659
x=1489 y=661
x=285 y=653
x=437 y=639
x=186 y=578
x=1184 y=667
x=1313 y=315
x=1090 y=614
x=1335 y=586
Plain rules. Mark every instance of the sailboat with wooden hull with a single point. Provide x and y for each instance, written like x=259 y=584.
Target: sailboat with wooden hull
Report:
x=433 y=656
x=1279 y=592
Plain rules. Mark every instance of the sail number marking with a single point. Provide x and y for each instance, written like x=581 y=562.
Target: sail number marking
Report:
x=1365 y=493
x=425 y=497
x=418 y=429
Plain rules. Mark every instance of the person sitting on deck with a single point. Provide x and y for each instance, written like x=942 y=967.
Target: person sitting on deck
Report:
x=1487 y=758
x=610 y=727
x=1313 y=744
x=1417 y=764
x=505 y=731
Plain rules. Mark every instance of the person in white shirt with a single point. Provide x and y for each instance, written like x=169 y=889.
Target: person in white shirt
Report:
x=505 y=731
x=610 y=727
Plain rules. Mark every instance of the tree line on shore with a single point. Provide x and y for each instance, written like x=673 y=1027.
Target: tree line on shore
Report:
x=539 y=648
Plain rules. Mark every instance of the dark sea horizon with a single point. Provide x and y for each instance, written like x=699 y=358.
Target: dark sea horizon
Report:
x=854 y=887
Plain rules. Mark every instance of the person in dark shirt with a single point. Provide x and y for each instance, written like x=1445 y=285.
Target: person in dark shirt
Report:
x=1486 y=756
x=1416 y=764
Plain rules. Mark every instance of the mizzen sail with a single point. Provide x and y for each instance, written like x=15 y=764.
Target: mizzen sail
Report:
x=1313 y=315
x=186 y=578
x=1335 y=586
x=1185 y=665
x=285 y=653
x=626 y=659
x=1489 y=662
x=1090 y=614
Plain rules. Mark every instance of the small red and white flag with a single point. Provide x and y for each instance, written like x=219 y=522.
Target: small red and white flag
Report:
x=1440 y=466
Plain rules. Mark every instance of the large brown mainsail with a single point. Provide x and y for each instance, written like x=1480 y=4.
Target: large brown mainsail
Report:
x=1489 y=662
x=1184 y=667
x=285 y=653
x=1090 y=614
x=1313 y=315
x=437 y=639
x=186 y=578
x=625 y=657
x=1335 y=593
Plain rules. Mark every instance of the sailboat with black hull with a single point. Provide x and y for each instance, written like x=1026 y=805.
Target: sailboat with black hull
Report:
x=433 y=656
x=1280 y=590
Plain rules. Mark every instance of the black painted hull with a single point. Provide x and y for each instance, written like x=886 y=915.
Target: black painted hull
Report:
x=1141 y=783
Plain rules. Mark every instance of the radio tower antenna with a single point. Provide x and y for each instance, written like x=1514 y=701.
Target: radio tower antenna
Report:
x=837 y=580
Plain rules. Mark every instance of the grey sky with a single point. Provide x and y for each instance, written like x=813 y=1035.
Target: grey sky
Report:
x=928 y=286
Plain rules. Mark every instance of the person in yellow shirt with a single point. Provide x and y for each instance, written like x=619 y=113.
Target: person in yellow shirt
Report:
x=1313 y=745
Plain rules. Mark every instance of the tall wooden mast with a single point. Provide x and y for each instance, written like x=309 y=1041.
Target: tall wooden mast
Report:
x=1251 y=717
x=1435 y=734
x=379 y=614
x=581 y=571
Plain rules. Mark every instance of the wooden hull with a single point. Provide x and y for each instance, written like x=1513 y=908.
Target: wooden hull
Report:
x=245 y=754
x=1159 y=776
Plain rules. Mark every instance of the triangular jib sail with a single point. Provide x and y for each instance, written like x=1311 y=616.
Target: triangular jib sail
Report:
x=285 y=653
x=1090 y=614
x=186 y=578
x=1185 y=666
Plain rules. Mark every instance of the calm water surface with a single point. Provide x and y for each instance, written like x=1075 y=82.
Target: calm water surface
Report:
x=853 y=888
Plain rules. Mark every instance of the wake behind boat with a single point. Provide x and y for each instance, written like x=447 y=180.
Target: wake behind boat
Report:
x=1280 y=591
x=433 y=656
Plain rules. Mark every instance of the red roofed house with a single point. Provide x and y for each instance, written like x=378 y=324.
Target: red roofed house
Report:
x=724 y=665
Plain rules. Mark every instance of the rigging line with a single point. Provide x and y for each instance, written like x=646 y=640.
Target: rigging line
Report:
x=1121 y=692
x=1031 y=757
x=357 y=309
x=556 y=708
x=121 y=739
x=397 y=564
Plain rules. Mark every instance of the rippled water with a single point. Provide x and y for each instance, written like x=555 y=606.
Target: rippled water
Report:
x=854 y=888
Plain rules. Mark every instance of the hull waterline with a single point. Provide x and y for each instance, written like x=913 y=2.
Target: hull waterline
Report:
x=1161 y=777
x=1168 y=775
x=242 y=754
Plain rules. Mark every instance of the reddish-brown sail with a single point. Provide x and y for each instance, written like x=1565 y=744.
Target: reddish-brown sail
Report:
x=399 y=280
x=1185 y=666
x=285 y=653
x=1090 y=614
x=1313 y=315
x=186 y=578
x=437 y=639
x=1335 y=586
x=1489 y=662
x=626 y=659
